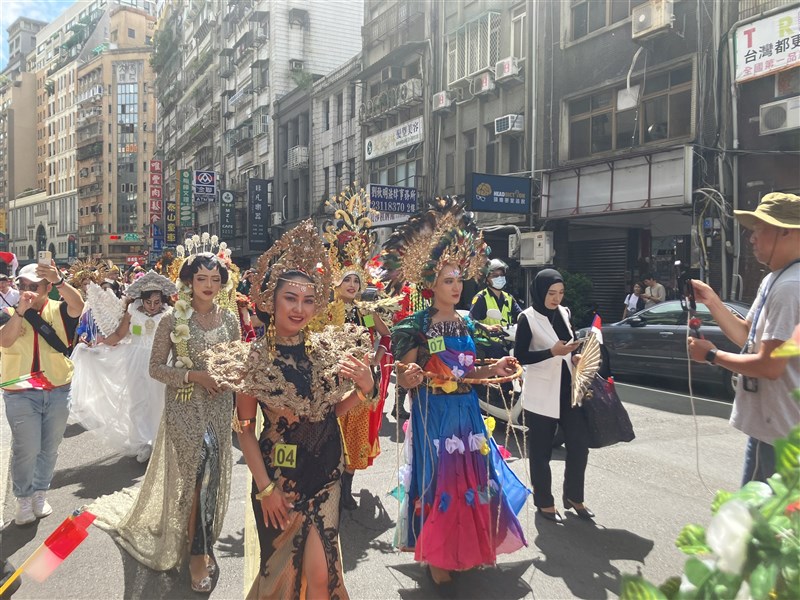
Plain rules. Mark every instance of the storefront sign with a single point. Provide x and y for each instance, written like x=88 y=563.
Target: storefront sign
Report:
x=768 y=45
x=171 y=221
x=205 y=186
x=185 y=209
x=257 y=213
x=155 y=166
x=498 y=193
x=392 y=199
x=393 y=139
x=227 y=215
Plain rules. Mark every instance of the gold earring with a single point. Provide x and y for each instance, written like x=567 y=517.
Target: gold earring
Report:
x=271 y=339
x=307 y=338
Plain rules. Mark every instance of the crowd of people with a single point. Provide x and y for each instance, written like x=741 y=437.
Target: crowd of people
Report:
x=296 y=355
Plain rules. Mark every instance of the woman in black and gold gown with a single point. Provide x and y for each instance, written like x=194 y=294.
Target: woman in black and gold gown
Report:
x=300 y=382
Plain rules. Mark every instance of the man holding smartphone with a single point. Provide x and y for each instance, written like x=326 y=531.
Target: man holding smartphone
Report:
x=35 y=337
x=763 y=407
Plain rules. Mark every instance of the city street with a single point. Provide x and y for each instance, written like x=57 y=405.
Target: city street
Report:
x=642 y=492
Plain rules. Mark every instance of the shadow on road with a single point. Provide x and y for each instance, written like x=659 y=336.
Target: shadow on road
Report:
x=362 y=527
x=581 y=552
x=73 y=430
x=504 y=581
x=104 y=476
x=143 y=583
x=231 y=545
x=14 y=537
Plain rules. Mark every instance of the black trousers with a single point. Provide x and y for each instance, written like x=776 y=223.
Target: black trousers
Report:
x=541 y=432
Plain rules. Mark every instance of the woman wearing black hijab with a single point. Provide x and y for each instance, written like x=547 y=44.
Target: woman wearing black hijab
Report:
x=545 y=342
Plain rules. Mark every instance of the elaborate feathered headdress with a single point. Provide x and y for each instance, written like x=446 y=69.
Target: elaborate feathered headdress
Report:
x=429 y=240
x=195 y=245
x=299 y=249
x=350 y=239
x=83 y=271
x=151 y=282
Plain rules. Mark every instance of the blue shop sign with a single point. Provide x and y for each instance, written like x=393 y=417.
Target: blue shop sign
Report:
x=498 y=193
x=392 y=199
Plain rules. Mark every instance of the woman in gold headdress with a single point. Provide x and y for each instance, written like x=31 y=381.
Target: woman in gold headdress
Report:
x=301 y=382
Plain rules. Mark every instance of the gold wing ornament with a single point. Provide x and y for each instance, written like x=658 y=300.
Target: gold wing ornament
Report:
x=586 y=369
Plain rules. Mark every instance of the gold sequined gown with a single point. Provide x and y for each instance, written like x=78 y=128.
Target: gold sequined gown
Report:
x=297 y=392
x=193 y=447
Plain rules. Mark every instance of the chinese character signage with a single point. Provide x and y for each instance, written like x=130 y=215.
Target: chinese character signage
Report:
x=185 y=209
x=397 y=137
x=205 y=186
x=498 y=193
x=392 y=199
x=768 y=45
x=155 y=166
x=257 y=213
x=227 y=215
x=156 y=212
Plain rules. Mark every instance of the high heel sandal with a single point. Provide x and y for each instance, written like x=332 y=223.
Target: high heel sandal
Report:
x=554 y=516
x=204 y=586
x=583 y=513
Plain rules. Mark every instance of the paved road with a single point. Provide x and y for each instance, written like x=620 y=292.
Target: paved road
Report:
x=642 y=492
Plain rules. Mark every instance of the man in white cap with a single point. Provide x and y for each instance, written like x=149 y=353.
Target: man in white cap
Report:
x=763 y=407
x=35 y=338
x=8 y=295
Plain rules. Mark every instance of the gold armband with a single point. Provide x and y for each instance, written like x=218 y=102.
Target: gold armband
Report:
x=363 y=397
x=266 y=491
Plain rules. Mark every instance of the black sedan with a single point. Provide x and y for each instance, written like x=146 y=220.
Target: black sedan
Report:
x=653 y=343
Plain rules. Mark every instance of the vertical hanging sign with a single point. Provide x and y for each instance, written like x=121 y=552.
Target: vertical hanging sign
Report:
x=227 y=215
x=257 y=213
x=185 y=209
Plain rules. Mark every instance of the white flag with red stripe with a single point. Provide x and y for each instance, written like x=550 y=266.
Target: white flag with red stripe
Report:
x=597 y=328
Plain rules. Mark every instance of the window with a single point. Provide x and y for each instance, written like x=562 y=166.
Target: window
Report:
x=339 y=108
x=587 y=16
x=469 y=151
x=474 y=47
x=663 y=314
x=326 y=183
x=351 y=171
x=337 y=174
x=400 y=169
x=608 y=120
x=518 y=45
x=352 y=113
x=326 y=114
x=131 y=33
x=491 y=150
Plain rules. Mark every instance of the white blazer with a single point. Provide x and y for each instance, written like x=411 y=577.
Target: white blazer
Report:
x=541 y=389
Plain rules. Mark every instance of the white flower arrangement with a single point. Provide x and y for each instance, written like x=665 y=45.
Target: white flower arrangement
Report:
x=183 y=310
x=180 y=333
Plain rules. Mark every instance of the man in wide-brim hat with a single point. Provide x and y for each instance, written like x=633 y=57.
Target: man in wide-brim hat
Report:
x=763 y=408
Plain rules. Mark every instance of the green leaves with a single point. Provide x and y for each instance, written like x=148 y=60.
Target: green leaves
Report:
x=635 y=587
x=692 y=540
x=762 y=580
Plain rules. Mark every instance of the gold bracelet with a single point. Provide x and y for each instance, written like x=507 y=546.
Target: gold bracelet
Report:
x=246 y=422
x=266 y=491
x=363 y=397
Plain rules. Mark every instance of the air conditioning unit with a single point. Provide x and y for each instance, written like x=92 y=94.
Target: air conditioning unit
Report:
x=509 y=124
x=277 y=218
x=391 y=74
x=409 y=90
x=507 y=70
x=780 y=116
x=536 y=248
x=295 y=65
x=483 y=84
x=651 y=19
x=442 y=102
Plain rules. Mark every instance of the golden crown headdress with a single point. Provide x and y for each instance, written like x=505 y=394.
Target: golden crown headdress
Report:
x=83 y=271
x=350 y=238
x=444 y=234
x=195 y=245
x=299 y=249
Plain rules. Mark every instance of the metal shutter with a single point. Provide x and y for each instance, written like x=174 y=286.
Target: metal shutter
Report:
x=605 y=262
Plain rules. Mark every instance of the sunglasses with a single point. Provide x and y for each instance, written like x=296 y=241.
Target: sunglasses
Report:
x=28 y=287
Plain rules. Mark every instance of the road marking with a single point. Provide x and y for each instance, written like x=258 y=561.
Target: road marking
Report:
x=686 y=395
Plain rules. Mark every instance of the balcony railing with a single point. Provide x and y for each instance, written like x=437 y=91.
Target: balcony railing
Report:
x=389 y=21
x=298 y=158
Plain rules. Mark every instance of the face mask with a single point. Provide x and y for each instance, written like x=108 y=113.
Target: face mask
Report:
x=499 y=283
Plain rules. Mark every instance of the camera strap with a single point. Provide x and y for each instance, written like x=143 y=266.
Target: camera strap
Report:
x=751 y=337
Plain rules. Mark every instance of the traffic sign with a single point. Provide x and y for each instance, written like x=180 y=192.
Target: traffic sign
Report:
x=145 y=252
x=131 y=237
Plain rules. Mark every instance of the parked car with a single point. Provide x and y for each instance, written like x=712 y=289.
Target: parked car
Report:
x=653 y=342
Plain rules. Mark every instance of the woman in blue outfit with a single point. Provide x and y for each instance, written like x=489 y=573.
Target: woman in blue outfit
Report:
x=461 y=500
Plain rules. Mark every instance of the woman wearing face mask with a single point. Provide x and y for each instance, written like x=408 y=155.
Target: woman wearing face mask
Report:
x=460 y=500
x=300 y=382
x=545 y=342
x=113 y=394
x=178 y=511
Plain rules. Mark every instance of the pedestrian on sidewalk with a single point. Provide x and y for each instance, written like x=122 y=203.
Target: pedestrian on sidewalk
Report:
x=654 y=293
x=36 y=337
x=179 y=509
x=763 y=407
x=301 y=381
x=545 y=342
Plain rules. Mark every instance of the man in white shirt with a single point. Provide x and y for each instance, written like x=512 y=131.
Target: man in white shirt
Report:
x=9 y=296
x=763 y=408
x=654 y=293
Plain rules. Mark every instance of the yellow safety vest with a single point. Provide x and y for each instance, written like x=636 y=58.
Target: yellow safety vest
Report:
x=17 y=359
x=491 y=303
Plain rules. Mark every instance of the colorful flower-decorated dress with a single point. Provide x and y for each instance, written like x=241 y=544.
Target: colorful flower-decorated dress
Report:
x=461 y=500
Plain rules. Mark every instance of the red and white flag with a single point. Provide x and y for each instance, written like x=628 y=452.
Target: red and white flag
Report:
x=597 y=328
x=58 y=546
x=31 y=381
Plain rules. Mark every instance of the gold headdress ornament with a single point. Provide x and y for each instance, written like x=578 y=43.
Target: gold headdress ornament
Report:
x=429 y=240
x=83 y=271
x=350 y=239
x=299 y=249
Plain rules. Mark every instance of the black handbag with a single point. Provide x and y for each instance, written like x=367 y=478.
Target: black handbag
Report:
x=607 y=420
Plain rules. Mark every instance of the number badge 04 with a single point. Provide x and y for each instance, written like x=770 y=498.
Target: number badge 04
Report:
x=285 y=456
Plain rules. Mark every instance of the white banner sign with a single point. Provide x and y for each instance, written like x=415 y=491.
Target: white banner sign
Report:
x=401 y=136
x=768 y=45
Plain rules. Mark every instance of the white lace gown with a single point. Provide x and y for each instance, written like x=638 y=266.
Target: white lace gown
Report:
x=113 y=394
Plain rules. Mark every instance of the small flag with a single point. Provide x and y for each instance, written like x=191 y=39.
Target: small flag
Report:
x=597 y=328
x=31 y=381
x=67 y=536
